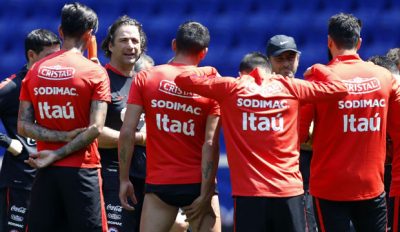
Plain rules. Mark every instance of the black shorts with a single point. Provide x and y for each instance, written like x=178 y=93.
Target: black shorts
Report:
x=366 y=215
x=13 y=209
x=269 y=214
x=67 y=199
x=119 y=219
x=178 y=195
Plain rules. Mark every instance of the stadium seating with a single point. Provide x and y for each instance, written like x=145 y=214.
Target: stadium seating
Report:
x=236 y=26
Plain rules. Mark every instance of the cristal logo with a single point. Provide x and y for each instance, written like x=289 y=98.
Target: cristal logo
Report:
x=264 y=90
x=169 y=87
x=360 y=85
x=56 y=72
x=115 y=208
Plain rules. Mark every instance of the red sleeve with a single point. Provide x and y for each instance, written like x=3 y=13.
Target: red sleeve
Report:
x=323 y=84
x=203 y=82
x=102 y=87
x=215 y=109
x=24 y=94
x=393 y=129
x=135 y=92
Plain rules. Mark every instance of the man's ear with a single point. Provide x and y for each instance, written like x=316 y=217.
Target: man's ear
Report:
x=31 y=55
x=173 y=45
x=203 y=53
x=60 y=32
x=359 y=43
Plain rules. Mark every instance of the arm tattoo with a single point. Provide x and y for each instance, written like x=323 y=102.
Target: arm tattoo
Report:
x=207 y=170
x=26 y=117
x=98 y=111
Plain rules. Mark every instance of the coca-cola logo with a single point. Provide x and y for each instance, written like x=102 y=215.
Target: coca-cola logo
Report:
x=18 y=209
x=116 y=208
x=169 y=87
x=360 y=85
x=264 y=89
x=56 y=72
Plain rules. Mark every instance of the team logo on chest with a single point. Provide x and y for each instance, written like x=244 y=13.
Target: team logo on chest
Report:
x=56 y=72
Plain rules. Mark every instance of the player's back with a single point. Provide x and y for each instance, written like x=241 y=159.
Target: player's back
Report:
x=175 y=125
x=61 y=88
x=350 y=134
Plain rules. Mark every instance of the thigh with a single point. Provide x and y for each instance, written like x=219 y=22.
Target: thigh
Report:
x=332 y=216
x=18 y=201
x=84 y=203
x=289 y=214
x=157 y=216
x=370 y=215
x=211 y=221
x=251 y=214
x=45 y=207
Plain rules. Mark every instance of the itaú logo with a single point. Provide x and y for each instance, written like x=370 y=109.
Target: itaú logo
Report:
x=360 y=85
x=169 y=87
x=56 y=72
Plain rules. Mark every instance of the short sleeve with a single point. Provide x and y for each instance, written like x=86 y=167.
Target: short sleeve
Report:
x=102 y=87
x=24 y=94
x=135 y=93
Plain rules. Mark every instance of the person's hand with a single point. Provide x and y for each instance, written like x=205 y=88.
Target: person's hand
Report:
x=15 y=147
x=199 y=208
x=126 y=191
x=70 y=135
x=42 y=159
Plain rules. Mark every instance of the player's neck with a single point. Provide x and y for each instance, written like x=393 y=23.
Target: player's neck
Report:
x=184 y=59
x=71 y=43
x=126 y=69
x=344 y=52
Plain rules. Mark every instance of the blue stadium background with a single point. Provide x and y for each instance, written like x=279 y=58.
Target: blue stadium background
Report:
x=236 y=26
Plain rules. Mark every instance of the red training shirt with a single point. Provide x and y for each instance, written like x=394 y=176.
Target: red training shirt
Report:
x=260 y=121
x=175 y=124
x=349 y=138
x=61 y=88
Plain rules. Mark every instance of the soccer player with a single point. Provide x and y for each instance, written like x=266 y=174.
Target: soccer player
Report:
x=284 y=56
x=349 y=142
x=259 y=115
x=182 y=141
x=16 y=177
x=66 y=92
x=251 y=61
x=124 y=44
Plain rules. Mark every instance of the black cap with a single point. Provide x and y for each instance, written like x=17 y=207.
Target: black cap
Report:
x=280 y=43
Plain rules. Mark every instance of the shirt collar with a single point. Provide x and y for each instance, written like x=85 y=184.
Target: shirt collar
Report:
x=113 y=69
x=341 y=58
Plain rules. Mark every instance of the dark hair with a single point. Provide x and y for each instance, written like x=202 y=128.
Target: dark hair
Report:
x=76 y=19
x=192 y=37
x=139 y=65
x=384 y=62
x=122 y=21
x=253 y=60
x=344 y=29
x=37 y=39
x=394 y=55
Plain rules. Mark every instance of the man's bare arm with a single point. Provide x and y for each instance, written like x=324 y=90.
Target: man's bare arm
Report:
x=109 y=138
x=28 y=128
x=125 y=150
x=98 y=112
